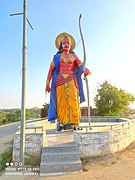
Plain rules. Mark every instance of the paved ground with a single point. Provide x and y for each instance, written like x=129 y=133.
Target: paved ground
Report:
x=6 y=135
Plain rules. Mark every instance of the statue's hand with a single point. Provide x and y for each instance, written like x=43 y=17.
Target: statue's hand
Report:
x=48 y=88
x=86 y=71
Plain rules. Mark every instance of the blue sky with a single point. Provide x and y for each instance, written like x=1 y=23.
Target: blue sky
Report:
x=109 y=33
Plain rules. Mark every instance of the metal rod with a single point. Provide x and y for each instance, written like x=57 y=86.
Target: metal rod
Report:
x=23 y=102
x=88 y=99
x=29 y=23
x=16 y=14
x=84 y=63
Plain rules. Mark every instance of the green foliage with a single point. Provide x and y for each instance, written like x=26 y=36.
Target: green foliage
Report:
x=13 y=115
x=46 y=106
x=4 y=158
x=110 y=101
x=33 y=113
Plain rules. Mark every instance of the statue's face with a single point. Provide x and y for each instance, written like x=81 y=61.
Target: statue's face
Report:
x=66 y=45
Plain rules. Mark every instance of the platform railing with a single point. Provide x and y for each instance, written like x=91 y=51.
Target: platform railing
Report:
x=87 y=127
x=35 y=120
x=28 y=126
x=122 y=124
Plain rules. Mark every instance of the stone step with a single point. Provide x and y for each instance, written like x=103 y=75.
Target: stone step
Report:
x=59 y=168
x=59 y=138
x=59 y=157
x=65 y=147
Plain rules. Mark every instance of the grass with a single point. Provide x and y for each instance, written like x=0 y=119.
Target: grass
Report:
x=5 y=157
x=8 y=122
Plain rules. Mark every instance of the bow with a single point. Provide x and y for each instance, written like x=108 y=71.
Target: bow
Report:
x=84 y=62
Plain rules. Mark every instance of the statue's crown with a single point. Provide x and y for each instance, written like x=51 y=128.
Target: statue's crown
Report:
x=65 y=36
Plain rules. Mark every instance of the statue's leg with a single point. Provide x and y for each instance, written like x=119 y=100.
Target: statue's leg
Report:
x=68 y=109
x=58 y=125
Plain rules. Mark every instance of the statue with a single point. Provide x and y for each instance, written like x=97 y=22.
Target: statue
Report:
x=66 y=91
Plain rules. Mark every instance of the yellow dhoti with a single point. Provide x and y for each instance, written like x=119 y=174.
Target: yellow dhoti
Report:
x=68 y=106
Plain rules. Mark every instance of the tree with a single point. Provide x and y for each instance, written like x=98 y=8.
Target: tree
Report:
x=111 y=101
x=44 y=110
x=10 y=116
x=17 y=114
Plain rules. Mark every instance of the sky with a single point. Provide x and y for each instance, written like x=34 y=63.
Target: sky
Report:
x=109 y=32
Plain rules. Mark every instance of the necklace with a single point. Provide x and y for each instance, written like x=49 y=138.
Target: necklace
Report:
x=66 y=58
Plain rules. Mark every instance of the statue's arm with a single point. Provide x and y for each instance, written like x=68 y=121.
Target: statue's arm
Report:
x=78 y=62
x=84 y=70
x=49 y=76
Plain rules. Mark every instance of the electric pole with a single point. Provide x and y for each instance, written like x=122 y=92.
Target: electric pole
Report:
x=23 y=101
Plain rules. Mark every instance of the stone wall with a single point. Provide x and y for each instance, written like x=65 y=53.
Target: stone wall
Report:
x=105 y=142
x=33 y=146
x=90 y=143
x=103 y=119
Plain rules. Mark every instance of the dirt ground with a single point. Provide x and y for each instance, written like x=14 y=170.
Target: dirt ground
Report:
x=118 y=166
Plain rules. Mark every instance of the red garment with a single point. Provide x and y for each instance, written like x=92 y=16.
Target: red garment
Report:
x=61 y=80
x=67 y=66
